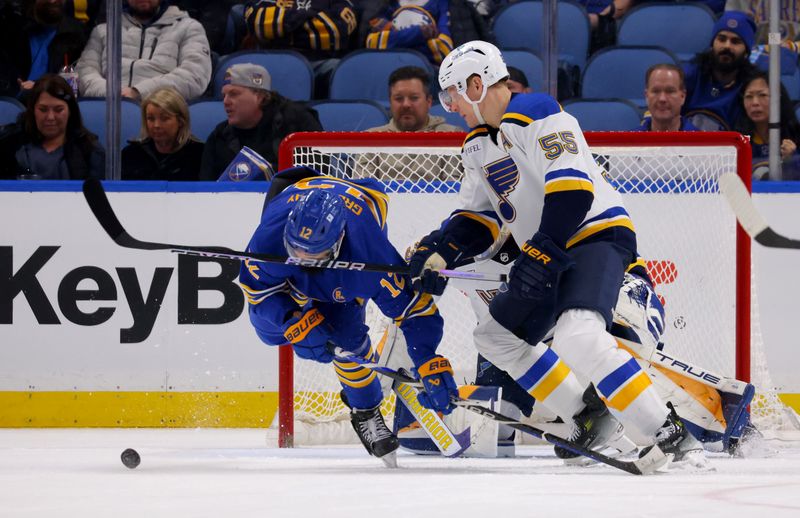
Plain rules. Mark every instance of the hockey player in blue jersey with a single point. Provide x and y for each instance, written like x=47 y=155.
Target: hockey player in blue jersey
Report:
x=527 y=166
x=324 y=218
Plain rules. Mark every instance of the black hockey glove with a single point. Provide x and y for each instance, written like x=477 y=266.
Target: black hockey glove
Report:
x=434 y=252
x=535 y=273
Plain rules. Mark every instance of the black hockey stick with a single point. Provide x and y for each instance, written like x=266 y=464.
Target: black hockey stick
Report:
x=653 y=460
x=746 y=212
x=101 y=208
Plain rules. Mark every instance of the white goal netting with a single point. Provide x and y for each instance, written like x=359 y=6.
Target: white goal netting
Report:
x=685 y=231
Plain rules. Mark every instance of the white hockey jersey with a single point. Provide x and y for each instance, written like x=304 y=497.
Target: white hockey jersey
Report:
x=539 y=150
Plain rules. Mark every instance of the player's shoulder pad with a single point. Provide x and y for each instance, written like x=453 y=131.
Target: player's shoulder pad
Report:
x=524 y=109
x=477 y=132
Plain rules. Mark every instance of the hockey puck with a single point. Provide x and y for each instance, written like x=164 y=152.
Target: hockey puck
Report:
x=130 y=458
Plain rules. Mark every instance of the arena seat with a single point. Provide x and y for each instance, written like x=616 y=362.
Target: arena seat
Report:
x=518 y=25
x=205 y=115
x=289 y=70
x=10 y=108
x=529 y=63
x=619 y=72
x=681 y=28
x=93 y=112
x=348 y=115
x=604 y=114
x=364 y=74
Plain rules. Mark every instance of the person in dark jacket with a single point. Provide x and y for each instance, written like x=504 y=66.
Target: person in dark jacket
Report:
x=39 y=40
x=167 y=150
x=257 y=118
x=49 y=140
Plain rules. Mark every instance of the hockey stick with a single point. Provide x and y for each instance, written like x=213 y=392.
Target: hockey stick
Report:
x=101 y=208
x=654 y=459
x=746 y=212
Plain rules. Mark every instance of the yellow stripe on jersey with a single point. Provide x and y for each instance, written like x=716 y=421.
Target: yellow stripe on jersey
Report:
x=639 y=262
x=590 y=230
x=353 y=374
x=332 y=29
x=517 y=117
x=256 y=296
x=629 y=392
x=324 y=34
x=487 y=222
x=80 y=10
x=568 y=184
x=267 y=23
x=420 y=306
x=548 y=384
x=477 y=132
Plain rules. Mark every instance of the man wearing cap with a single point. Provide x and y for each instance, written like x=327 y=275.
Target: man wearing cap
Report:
x=714 y=77
x=258 y=118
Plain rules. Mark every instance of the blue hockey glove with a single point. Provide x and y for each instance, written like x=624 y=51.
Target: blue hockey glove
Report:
x=307 y=336
x=534 y=275
x=437 y=377
x=434 y=252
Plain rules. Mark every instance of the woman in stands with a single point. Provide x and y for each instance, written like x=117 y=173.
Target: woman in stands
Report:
x=754 y=97
x=49 y=141
x=167 y=150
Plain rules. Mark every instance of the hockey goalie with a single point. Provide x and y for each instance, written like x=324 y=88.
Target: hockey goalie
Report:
x=714 y=409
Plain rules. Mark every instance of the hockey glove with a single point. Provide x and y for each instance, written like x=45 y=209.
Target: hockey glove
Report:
x=437 y=377
x=534 y=275
x=434 y=252
x=309 y=338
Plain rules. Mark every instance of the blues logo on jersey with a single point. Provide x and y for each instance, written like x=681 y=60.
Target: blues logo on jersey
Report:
x=503 y=177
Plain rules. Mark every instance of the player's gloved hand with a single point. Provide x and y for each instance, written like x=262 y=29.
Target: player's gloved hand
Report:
x=437 y=377
x=535 y=272
x=307 y=336
x=434 y=252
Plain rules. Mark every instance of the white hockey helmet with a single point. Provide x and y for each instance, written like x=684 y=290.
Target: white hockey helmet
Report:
x=474 y=57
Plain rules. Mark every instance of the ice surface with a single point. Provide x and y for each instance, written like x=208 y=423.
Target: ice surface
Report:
x=236 y=473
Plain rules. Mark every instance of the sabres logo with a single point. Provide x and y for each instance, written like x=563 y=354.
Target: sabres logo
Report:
x=503 y=177
x=338 y=296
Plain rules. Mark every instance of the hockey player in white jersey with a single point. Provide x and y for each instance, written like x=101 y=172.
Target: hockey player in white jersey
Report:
x=528 y=166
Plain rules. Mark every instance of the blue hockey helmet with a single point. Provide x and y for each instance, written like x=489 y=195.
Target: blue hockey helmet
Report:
x=315 y=226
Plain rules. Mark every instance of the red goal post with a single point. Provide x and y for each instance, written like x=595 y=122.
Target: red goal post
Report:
x=659 y=169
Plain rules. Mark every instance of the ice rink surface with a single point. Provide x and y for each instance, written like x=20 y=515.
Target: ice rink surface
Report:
x=239 y=473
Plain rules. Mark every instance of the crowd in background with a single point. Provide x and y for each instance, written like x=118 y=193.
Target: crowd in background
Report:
x=52 y=52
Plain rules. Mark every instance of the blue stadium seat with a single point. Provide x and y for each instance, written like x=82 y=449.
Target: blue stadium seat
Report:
x=10 y=108
x=290 y=71
x=93 y=111
x=790 y=71
x=682 y=28
x=519 y=25
x=350 y=115
x=604 y=114
x=529 y=63
x=451 y=118
x=205 y=115
x=364 y=74
x=619 y=72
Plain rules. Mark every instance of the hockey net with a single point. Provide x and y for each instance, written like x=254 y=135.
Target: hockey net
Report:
x=697 y=256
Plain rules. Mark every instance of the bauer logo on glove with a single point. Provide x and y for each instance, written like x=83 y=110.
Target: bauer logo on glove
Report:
x=297 y=331
x=535 y=253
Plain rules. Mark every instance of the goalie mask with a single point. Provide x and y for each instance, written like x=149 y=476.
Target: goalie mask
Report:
x=315 y=226
x=474 y=57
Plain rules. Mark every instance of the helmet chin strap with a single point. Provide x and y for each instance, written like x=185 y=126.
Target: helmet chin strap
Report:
x=475 y=109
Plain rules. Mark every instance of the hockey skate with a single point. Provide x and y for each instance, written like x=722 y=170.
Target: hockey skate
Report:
x=674 y=439
x=375 y=435
x=595 y=428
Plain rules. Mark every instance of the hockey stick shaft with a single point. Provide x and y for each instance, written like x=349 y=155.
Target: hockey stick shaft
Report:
x=749 y=217
x=101 y=208
x=647 y=464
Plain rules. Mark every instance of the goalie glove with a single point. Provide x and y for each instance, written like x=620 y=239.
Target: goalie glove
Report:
x=434 y=252
x=309 y=338
x=436 y=375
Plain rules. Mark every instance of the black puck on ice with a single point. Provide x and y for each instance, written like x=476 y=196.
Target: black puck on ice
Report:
x=130 y=458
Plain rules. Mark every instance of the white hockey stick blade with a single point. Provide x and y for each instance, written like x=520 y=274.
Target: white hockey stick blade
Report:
x=746 y=212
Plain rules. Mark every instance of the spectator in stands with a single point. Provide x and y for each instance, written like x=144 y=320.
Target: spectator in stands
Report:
x=789 y=22
x=410 y=102
x=423 y=26
x=517 y=82
x=213 y=15
x=49 y=140
x=714 y=78
x=665 y=92
x=35 y=41
x=257 y=118
x=161 y=46
x=755 y=123
x=87 y=12
x=167 y=150
x=319 y=29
